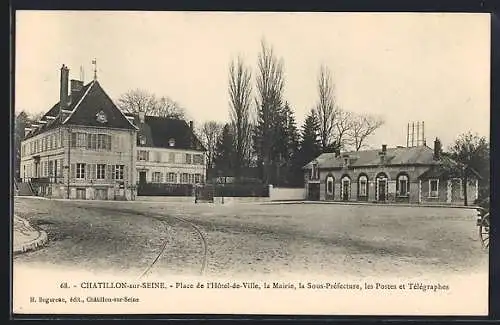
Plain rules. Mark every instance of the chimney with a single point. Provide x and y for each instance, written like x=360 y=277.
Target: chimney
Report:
x=437 y=149
x=142 y=116
x=76 y=86
x=63 y=92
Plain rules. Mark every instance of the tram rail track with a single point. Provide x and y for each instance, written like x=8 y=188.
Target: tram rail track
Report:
x=162 y=218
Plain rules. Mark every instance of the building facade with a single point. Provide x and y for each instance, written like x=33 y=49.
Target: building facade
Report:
x=168 y=151
x=82 y=148
x=401 y=174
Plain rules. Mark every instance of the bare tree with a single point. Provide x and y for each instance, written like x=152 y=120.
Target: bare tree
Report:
x=326 y=109
x=209 y=133
x=342 y=126
x=166 y=107
x=240 y=91
x=139 y=100
x=270 y=85
x=362 y=127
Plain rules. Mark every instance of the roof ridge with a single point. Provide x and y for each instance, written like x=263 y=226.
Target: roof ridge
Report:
x=117 y=106
x=80 y=101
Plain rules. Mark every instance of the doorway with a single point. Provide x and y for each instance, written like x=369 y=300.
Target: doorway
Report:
x=80 y=194
x=382 y=184
x=101 y=194
x=313 y=192
x=346 y=187
x=142 y=177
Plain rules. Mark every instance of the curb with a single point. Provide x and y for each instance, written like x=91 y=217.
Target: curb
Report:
x=34 y=244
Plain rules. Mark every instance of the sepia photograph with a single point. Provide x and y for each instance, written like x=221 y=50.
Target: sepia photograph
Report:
x=251 y=163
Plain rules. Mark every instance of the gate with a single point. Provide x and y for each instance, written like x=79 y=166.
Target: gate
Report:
x=204 y=193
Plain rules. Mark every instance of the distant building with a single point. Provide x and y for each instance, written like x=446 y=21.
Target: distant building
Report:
x=82 y=148
x=168 y=151
x=401 y=174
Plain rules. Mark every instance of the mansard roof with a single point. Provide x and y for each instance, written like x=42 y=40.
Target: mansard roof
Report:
x=157 y=132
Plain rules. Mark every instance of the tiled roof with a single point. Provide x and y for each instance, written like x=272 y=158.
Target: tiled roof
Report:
x=421 y=155
x=157 y=132
x=88 y=102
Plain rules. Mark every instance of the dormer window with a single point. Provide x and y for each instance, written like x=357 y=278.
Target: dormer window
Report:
x=346 y=162
x=171 y=142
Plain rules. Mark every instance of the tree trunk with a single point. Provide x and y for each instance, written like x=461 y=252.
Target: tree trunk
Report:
x=465 y=182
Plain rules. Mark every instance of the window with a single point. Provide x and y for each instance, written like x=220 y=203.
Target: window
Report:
x=103 y=142
x=188 y=158
x=402 y=185
x=184 y=178
x=101 y=171
x=433 y=187
x=51 y=168
x=58 y=167
x=171 y=178
x=314 y=171
x=45 y=169
x=119 y=171
x=143 y=155
x=198 y=159
x=197 y=178
x=171 y=157
x=156 y=177
x=157 y=156
x=362 y=185
x=171 y=142
x=45 y=144
x=329 y=185
x=80 y=171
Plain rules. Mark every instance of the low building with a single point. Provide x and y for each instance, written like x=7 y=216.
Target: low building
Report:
x=82 y=148
x=168 y=151
x=401 y=174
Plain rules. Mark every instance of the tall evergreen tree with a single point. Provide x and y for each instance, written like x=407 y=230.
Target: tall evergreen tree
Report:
x=224 y=152
x=21 y=121
x=310 y=146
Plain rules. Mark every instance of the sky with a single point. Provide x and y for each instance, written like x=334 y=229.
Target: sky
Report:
x=404 y=67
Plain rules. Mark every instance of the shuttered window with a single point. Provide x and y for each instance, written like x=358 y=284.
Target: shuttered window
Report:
x=101 y=171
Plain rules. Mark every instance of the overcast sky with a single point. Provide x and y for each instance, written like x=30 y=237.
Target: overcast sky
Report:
x=405 y=67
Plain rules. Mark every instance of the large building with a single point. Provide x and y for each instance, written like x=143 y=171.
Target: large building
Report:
x=83 y=147
x=402 y=174
x=168 y=151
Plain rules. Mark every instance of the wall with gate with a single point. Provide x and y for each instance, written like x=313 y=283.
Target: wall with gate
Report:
x=286 y=194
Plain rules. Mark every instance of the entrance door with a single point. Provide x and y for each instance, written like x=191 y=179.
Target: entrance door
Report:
x=345 y=190
x=313 y=193
x=381 y=190
x=101 y=194
x=142 y=177
x=80 y=193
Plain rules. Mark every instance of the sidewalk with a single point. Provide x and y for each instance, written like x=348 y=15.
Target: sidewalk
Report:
x=26 y=237
x=415 y=205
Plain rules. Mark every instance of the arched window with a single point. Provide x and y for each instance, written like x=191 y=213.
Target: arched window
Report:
x=329 y=185
x=402 y=185
x=363 y=186
x=345 y=188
